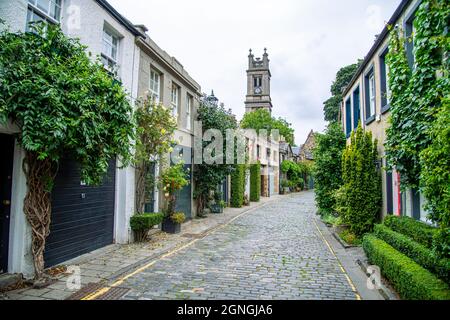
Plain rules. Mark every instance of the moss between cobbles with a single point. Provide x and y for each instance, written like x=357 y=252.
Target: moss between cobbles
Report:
x=412 y=281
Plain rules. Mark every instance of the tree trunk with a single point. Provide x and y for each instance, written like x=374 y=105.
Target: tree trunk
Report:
x=40 y=175
x=141 y=172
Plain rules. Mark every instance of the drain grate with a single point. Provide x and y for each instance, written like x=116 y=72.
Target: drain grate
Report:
x=114 y=293
x=83 y=292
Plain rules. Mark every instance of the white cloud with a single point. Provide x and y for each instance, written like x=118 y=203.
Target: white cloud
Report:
x=307 y=41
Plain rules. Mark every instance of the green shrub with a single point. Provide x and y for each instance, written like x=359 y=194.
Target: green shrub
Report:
x=238 y=186
x=411 y=281
x=415 y=251
x=362 y=182
x=178 y=217
x=255 y=182
x=327 y=168
x=142 y=223
x=416 y=230
x=350 y=238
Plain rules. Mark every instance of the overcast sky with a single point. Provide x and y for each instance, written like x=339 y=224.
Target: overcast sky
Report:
x=307 y=41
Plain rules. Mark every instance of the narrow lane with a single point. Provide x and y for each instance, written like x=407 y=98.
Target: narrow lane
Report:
x=274 y=252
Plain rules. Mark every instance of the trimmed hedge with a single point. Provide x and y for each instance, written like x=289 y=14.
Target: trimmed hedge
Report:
x=142 y=223
x=412 y=281
x=255 y=182
x=414 y=250
x=416 y=230
x=238 y=186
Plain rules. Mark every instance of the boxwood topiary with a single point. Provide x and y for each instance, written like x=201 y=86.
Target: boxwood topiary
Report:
x=416 y=230
x=255 y=182
x=416 y=251
x=237 y=186
x=411 y=281
x=142 y=223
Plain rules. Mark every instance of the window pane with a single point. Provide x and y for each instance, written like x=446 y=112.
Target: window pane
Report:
x=55 y=10
x=43 y=5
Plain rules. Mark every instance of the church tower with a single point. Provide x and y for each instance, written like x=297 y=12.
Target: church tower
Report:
x=258 y=83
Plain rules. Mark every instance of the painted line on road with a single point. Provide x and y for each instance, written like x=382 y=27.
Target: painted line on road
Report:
x=350 y=282
x=121 y=280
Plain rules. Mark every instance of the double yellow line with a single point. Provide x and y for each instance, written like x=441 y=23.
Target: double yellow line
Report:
x=350 y=282
x=99 y=292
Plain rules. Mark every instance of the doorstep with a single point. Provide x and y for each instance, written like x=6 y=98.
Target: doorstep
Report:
x=113 y=261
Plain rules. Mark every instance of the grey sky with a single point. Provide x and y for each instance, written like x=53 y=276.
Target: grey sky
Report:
x=307 y=42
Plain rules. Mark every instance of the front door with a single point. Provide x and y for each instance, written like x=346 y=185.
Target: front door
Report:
x=6 y=166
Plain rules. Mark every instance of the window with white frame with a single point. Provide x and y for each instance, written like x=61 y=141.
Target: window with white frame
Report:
x=43 y=10
x=174 y=100
x=372 y=94
x=110 y=49
x=188 y=111
x=155 y=85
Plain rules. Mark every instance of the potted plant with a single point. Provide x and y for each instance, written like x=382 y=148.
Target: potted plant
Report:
x=172 y=224
x=217 y=205
x=173 y=179
x=284 y=187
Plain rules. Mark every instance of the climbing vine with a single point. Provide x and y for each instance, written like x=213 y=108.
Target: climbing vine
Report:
x=417 y=140
x=63 y=104
x=415 y=94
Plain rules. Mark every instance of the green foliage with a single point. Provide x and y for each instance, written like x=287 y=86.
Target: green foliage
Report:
x=155 y=126
x=435 y=176
x=416 y=230
x=350 y=238
x=178 y=217
x=62 y=102
x=418 y=93
x=343 y=78
x=327 y=168
x=142 y=223
x=362 y=182
x=208 y=177
x=262 y=120
x=238 y=186
x=411 y=281
x=255 y=182
x=172 y=180
x=295 y=173
x=414 y=250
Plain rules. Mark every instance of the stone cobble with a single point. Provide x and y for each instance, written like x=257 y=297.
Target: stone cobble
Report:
x=273 y=252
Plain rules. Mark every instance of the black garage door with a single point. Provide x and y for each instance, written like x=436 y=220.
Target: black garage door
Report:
x=82 y=216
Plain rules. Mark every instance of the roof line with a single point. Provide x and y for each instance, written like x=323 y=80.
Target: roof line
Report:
x=124 y=21
x=398 y=12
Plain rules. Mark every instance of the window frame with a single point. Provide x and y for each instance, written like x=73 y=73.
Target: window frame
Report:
x=408 y=27
x=348 y=117
x=175 y=104
x=155 y=93
x=34 y=9
x=112 y=62
x=356 y=93
x=189 y=104
x=384 y=81
x=369 y=115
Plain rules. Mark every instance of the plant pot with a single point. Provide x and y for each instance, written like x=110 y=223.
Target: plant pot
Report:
x=286 y=190
x=216 y=209
x=171 y=227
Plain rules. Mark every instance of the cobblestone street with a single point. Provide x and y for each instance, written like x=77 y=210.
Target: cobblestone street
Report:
x=273 y=252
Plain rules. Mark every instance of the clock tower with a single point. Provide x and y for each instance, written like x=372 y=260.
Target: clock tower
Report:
x=258 y=83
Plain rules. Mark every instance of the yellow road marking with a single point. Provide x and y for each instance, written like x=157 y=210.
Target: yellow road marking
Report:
x=350 y=282
x=121 y=280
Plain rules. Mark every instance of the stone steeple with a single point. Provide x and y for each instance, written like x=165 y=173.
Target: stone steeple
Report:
x=258 y=83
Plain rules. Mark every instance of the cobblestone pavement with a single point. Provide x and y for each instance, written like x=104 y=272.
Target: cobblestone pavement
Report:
x=273 y=252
